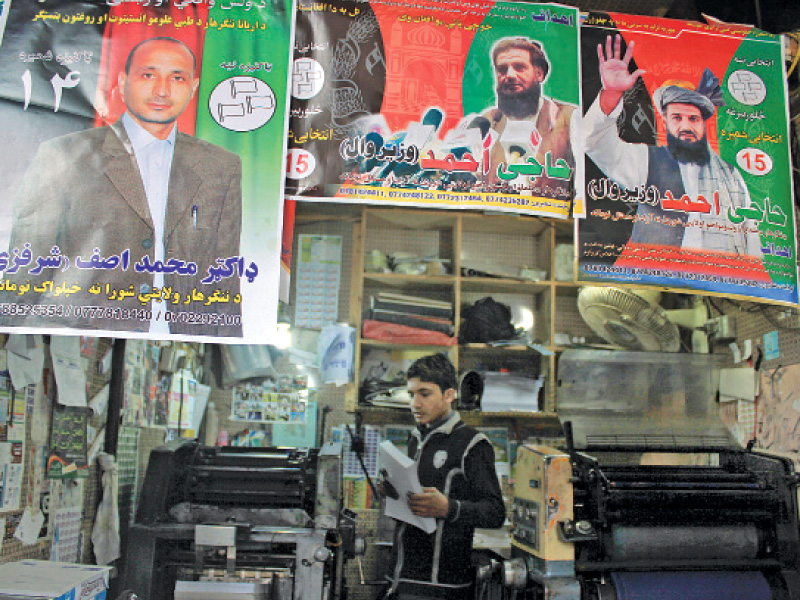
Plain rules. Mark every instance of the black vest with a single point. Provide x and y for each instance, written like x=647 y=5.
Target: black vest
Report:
x=663 y=173
x=438 y=563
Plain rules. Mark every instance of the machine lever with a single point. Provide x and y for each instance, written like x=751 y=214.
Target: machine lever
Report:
x=577 y=531
x=360 y=570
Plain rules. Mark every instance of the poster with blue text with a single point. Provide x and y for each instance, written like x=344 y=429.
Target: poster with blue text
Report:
x=443 y=104
x=688 y=169
x=142 y=174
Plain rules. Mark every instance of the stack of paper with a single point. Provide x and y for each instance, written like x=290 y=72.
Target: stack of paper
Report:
x=402 y=474
x=412 y=311
x=510 y=392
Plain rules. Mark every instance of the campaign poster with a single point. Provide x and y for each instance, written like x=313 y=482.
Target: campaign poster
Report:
x=688 y=169
x=440 y=104
x=142 y=174
x=68 y=447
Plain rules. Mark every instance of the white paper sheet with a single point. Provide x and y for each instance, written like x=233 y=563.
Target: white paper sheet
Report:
x=25 y=359
x=402 y=474
x=29 y=526
x=336 y=354
x=181 y=401
x=42 y=414
x=104 y=366
x=737 y=384
x=20 y=344
x=97 y=445
x=68 y=370
x=11 y=471
x=100 y=401
x=200 y=402
x=735 y=353
x=66 y=535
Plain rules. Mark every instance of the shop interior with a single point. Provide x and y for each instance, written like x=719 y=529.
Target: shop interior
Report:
x=166 y=427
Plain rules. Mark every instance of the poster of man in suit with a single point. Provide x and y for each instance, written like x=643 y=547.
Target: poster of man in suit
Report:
x=144 y=224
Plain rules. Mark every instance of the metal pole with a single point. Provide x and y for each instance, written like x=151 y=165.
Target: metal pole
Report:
x=116 y=388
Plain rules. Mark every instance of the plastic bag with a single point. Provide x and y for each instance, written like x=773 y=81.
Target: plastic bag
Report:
x=486 y=321
x=402 y=334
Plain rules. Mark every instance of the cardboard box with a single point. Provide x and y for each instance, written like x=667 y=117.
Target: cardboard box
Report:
x=48 y=580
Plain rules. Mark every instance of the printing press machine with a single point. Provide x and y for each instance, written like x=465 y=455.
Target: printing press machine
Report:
x=652 y=498
x=260 y=523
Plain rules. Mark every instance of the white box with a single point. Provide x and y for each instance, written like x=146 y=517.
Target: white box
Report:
x=220 y=590
x=508 y=392
x=52 y=580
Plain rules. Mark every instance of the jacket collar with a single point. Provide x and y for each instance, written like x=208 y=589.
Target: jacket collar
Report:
x=445 y=426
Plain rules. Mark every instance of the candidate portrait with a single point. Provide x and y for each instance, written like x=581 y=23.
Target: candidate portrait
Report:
x=687 y=167
x=142 y=193
x=528 y=123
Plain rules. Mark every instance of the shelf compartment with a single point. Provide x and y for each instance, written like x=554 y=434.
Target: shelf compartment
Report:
x=503 y=247
x=426 y=234
x=483 y=348
x=508 y=224
x=403 y=218
x=398 y=280
x=567 y=288
x=502 y=285
x=393 y=346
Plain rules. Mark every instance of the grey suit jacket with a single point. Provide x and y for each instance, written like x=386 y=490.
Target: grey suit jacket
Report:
x=83 y=191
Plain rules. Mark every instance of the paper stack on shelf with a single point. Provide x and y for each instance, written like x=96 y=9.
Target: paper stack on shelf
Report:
x=510 y=392
x=412 y=311
x=389 y=397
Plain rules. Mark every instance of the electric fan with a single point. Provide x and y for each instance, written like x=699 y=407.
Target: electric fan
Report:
x=634 y=320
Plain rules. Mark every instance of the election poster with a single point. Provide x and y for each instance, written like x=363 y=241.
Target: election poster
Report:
x=442 y=104
x=142 y=175
x=688 y=169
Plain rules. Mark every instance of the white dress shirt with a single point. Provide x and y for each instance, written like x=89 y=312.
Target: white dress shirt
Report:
x=154 y=159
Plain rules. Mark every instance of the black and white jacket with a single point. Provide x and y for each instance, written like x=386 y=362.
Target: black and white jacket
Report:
x=458 y=461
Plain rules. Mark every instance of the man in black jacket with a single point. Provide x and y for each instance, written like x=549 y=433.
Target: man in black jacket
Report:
x=455 y=464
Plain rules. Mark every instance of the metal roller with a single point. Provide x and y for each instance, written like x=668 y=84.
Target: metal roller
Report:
x=691 y=585
x=732 y=542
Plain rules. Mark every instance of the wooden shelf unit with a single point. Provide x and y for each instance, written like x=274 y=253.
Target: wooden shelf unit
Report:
x=501 y=242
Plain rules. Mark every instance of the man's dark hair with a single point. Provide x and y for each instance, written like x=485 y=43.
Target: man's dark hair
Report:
x=534 y=50
x=434 y=368
x=129 y=62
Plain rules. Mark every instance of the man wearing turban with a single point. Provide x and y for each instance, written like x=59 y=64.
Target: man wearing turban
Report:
x=685 y=167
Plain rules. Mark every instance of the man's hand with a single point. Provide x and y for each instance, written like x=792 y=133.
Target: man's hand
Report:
x=430 y=503
x=614 y=72
x=385 y=487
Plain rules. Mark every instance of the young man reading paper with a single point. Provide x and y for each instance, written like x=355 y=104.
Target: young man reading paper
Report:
x=455 y=465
